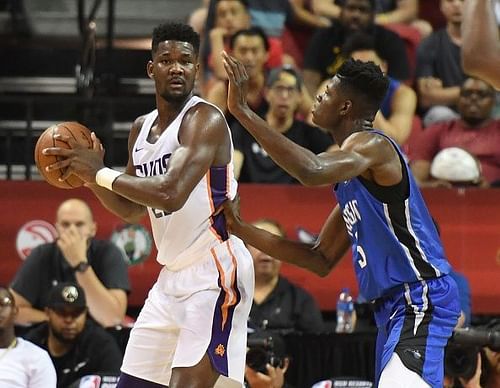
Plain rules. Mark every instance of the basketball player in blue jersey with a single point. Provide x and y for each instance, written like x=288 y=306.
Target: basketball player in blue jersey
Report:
x=397 y=254
x=192 y=329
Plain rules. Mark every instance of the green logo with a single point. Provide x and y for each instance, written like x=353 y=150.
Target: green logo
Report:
x=134 y=241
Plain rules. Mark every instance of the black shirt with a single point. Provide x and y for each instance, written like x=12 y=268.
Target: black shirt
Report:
x=288 y=307
x=258 y=167
x=94 y=351
x=439 y=57
x=322 y=53
x=45 y=267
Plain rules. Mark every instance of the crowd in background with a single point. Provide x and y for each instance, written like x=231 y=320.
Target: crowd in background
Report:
x=432 y=107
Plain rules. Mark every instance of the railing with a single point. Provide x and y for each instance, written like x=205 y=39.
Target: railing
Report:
x=24 y=117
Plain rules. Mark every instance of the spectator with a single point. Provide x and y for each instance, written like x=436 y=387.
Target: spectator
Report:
x=232 y=16
x=198 y=18
x=273 y=378
x=323 y=55
x=22 y=364
x=474 y=131
x=97 y=266
x=279 y=304
x=283 y=94
x=439 y=72
x=76 y=346
x=252 y=49
x=396 y=114
x=401 y=12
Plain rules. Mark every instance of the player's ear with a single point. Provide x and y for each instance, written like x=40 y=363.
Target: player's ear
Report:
x=346 y=107
x=149 y=70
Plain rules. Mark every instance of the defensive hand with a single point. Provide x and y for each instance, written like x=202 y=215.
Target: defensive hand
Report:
x=238 y=83
x=231 y=211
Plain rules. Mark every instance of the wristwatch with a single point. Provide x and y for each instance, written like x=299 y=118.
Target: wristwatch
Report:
x=81 y=267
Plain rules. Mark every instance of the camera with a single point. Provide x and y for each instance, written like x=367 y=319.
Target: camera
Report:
x=265 y=348
x=462 y=349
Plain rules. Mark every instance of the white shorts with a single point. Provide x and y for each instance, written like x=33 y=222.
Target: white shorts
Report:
x=201 y=309
x=396 y=375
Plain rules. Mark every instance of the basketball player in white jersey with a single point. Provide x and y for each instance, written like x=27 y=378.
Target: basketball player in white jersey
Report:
x=191 y=331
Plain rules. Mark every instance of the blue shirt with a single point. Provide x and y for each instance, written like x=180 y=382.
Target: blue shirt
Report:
x=394 y=240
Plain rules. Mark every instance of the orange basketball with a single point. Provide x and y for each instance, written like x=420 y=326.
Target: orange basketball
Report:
x=46 y=140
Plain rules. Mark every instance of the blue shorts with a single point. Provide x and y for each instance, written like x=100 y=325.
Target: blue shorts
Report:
x=415 y=321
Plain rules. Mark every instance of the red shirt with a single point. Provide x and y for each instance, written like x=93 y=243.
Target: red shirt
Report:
x=483 y=142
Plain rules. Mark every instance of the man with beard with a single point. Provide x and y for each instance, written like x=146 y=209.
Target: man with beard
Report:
x=323 y=55
x=192 y=330
x=76 y=346
x=475 y=131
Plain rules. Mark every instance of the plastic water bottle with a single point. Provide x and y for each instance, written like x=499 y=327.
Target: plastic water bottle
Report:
x=345 y=312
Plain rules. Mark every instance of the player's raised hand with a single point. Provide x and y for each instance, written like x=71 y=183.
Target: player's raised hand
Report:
x=238 y=83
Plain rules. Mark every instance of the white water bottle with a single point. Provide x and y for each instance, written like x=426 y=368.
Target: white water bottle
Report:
x=345 y=312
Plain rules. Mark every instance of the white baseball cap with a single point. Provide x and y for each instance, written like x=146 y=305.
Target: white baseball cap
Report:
x=455 y=164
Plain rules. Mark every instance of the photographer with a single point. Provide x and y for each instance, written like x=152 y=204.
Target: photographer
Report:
x=279 y=307
x=273 y=378
x=472 y=358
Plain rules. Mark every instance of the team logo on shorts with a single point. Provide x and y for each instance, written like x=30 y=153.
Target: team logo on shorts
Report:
x=32 y=234
x=220 y=350
x=134 y=241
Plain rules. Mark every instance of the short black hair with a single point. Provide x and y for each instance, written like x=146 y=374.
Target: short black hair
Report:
x=252 y=31
x=175 y=31
x=360 y=41
x=244 y=2
x=366 y=80
x=373 y=4
x=274 y=75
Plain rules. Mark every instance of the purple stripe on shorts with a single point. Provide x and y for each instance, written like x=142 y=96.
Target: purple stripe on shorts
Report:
x=217 y=349
x=218 y=187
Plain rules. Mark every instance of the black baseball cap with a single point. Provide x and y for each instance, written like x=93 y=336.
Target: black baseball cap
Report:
x=67 y=294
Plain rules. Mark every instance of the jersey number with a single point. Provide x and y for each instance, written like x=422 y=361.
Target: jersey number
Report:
x=362 y=262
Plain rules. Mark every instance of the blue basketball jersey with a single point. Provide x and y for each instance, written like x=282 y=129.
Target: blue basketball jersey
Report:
x=394 y=240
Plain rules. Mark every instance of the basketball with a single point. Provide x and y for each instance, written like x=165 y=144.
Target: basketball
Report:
x=77 y=131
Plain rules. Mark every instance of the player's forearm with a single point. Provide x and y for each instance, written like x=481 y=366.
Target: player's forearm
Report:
x=127 y=210
x=299 y=162
x=104 y=307
x=480 y=41
x=292 y=252
x=29 y=316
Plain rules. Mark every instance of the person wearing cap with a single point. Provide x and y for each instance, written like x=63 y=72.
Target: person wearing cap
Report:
x=475 y=132
x=96 y=265
x=283 y=94
x=77 y=346
x=22 y=364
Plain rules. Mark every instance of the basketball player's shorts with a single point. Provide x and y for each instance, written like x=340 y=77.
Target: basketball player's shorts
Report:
x=201 y=309
x=415 y=322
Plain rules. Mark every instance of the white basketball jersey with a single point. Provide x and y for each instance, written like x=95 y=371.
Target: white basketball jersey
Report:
x=183 y=235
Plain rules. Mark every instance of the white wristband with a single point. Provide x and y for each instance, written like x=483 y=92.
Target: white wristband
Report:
x=106 y=176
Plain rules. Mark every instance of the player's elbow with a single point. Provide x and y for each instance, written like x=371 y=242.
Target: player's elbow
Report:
x=310 y=177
